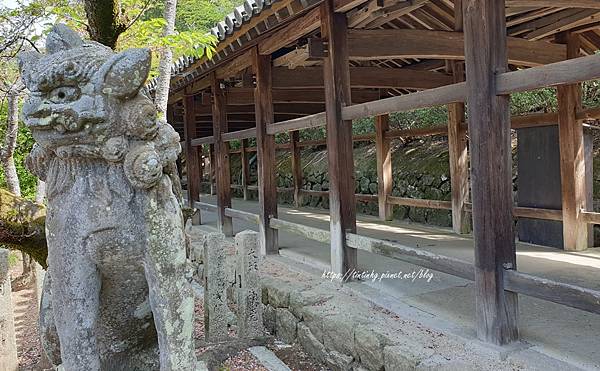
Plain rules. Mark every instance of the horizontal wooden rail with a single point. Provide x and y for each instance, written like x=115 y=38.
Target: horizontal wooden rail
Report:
x=560 y=73
x=422 y=99
x=314 y=193
x=239 y=214
x=412 y=255
x=537 y=287
x=365 y=197
x=358 y=196
x=239 y=135
x=205 y=206
x=204 y=140
x=590 y=217
x=311 y=233
x=556 y=292
x=414 y=202
x=311 y=121
x=537 y=213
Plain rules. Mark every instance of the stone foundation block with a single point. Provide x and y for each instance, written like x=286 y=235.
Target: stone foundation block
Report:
x=369 y=345
x=286 y=325
x=338 y=334
x=310 y=343
x=404 y=357
x=269 y=318
x=338 y=361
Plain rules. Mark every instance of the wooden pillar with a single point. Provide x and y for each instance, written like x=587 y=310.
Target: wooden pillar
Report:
x=201 y=165
x=491 y=171
x=191 y=155
x=245 y=171
x=222 y=171
x=265 y=145
x=296 y=168
x=459 y=158
x=576 y=233
x=384 y=166
x=336 y=73
x=457 y=144
x=211 y=169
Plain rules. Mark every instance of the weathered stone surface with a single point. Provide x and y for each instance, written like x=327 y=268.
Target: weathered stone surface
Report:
x=338 y=333
x=313 y=318
x=8 y=344
x=404 y=357
x=248 y=291
x=215 y=284
x=439 y=363
x=286 y=325
x=116 y=246
x=279 y=296
x=269 y=318
x=368 y=345
x=298 y=300
x=310 y=343
x=338 y=361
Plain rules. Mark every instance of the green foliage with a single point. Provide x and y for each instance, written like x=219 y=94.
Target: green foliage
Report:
x=13 y=259
x=541 y=100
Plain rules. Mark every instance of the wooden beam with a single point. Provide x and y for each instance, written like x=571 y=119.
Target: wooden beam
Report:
x=265 y=143
x=336 y=74
x=576 y=233
x=221 y=150
x=457 y=146
x=491 y=170
x=384 y=166
x=413 y=202
x=428 y=44
x=297 y=172
x=245 y=168
x=361 y=77
x=290 y=33
x=239 y=63
x=244 y=96
x=592 y=4
x=422 y=99
x=191 y=154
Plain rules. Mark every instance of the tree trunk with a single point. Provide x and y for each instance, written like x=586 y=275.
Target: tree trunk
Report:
x=105 y=21
x=166 y=59
x=23 y=230
x=8 y=350
x=10 y=144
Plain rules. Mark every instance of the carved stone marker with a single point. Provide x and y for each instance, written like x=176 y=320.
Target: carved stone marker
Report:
x=116 y=296
x=248 y=289
x=215 y=285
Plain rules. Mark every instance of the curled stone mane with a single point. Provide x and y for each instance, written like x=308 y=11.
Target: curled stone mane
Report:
x=110 y=117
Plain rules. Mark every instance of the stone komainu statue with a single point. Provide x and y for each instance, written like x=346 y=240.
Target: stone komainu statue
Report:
x=116 y=295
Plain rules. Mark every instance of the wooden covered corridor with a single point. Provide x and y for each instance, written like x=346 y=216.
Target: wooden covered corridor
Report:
x=288 y=65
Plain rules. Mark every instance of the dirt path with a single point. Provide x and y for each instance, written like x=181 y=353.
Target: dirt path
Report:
x=29 y=349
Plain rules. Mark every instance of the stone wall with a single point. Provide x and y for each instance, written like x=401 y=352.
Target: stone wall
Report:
x=420 y=170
